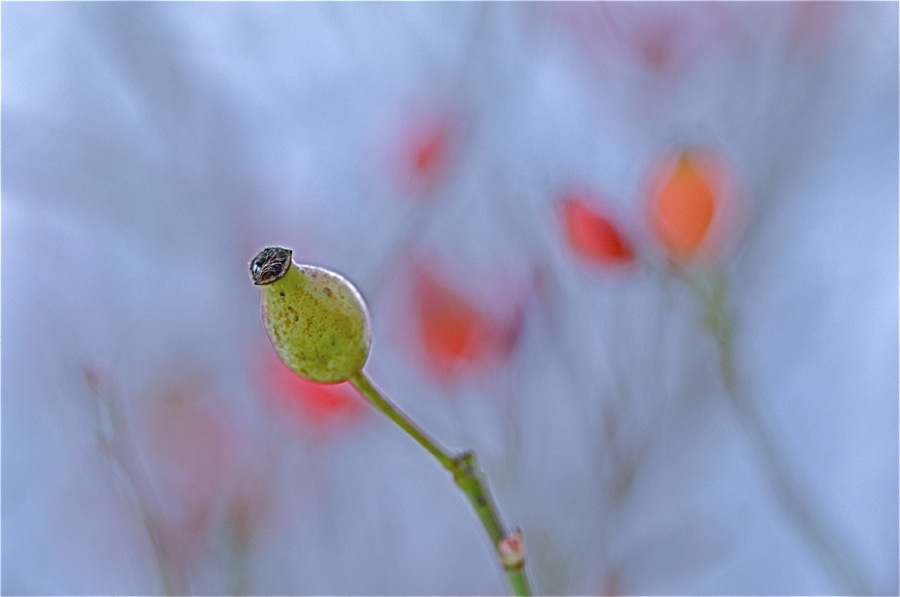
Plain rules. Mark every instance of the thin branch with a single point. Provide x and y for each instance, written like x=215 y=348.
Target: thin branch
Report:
x=465 y=474
x=821 y=536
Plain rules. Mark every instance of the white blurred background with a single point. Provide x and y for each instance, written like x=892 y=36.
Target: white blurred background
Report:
x=150 y=441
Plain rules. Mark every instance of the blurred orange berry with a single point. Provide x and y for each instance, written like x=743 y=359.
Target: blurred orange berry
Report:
x=683 y=201
x=591 y=234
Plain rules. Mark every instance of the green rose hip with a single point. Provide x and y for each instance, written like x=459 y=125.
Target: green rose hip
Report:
x=316 y=319
x=318 y=323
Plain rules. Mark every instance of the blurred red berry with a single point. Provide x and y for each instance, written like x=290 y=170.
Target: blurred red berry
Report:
x=425 y=154
x=190 y=440
x=684 y=198
x=321 y=407
x=92 y=378
x=456 y=334
x=591 y=234
x=452 y=330
x=812 y=25
x=661 y=39
x=657 y=47
x=428 y=152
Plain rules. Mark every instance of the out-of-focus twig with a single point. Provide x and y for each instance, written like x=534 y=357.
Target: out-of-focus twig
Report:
x=114 y=439
x=819 y=533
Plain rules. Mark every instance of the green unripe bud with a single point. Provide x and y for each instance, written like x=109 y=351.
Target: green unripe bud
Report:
x=316 y=319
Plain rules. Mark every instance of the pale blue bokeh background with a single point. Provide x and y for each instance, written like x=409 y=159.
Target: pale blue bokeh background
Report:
x=149 y=150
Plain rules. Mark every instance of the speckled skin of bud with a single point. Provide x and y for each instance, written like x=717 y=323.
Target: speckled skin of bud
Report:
x=316 y=319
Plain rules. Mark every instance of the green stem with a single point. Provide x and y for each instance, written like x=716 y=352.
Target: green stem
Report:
x=465 y=474
x=820 y=536
x=365 y=387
